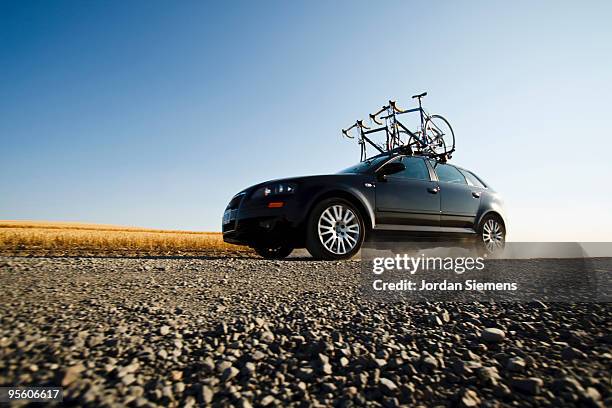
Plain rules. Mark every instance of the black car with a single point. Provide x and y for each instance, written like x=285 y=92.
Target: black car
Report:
x=394 y=194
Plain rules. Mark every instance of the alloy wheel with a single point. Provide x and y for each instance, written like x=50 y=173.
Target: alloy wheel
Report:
x=493 y=235
x=338 y=229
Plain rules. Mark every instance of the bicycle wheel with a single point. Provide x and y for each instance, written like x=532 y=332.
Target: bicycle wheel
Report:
x=436 y=147
x=440 y=135
x=415 y=144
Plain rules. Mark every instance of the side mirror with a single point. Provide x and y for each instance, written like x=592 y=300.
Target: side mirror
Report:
x=391 y=168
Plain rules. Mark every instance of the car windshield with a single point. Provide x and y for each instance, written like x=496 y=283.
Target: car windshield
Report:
x=366 y=165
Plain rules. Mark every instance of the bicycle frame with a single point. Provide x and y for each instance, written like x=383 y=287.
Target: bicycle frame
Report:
x=363 y=138
x=393 y=129
x=393 y=112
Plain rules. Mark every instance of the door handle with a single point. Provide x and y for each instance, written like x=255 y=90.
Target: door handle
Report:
x=475 y=194
x=433 y=190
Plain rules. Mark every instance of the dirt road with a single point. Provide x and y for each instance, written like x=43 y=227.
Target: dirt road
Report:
x=248 y=332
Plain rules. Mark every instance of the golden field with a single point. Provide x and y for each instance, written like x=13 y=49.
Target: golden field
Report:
x=71 y=238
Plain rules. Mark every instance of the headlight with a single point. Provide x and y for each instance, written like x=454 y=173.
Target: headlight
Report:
x=276 y=189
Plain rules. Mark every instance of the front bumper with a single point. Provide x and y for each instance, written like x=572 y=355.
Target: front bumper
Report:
x=252 y=223
x=260 y=231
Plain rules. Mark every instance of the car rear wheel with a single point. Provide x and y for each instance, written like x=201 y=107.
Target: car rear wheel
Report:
x=335 y=230
x=276 y=252
x=492 y=234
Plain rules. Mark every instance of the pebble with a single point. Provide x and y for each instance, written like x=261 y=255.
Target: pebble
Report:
x=571 y=353
x=72 y=374
x=229 y=373
x=469 y=399
x=531 y=385
x=492 y=335
x=516 y=364
x=388 y=386
x=207 y=394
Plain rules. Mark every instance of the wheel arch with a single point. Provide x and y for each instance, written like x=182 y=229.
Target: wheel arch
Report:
x=494 y=213
x=360 y=203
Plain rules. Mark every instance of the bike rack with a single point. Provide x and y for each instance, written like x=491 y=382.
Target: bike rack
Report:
x=419 y=143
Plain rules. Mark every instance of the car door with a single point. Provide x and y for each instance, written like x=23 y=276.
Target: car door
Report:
x=409 y=198
x=459 y=201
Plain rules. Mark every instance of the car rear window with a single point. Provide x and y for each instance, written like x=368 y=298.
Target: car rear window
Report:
x=473 y=179
x=449 y=174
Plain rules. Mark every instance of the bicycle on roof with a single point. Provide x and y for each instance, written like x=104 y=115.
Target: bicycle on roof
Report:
x=434 y=138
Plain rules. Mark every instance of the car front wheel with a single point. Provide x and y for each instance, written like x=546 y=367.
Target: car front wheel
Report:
x=335 y=230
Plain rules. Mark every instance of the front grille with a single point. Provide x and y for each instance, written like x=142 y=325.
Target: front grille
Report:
x=235 y=202
x=231 y=212
x=229 y=227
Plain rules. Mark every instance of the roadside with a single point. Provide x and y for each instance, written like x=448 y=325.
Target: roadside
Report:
x=31 y=238
x=247 y=331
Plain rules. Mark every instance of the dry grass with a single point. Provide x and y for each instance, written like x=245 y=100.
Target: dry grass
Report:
x=69 y=238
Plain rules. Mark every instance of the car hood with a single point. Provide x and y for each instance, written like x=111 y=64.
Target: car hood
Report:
x=322 y=178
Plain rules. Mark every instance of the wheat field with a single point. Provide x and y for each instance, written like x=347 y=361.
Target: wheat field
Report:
x=72 y=238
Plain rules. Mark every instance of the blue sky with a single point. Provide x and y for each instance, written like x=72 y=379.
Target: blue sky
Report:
x=155 y=113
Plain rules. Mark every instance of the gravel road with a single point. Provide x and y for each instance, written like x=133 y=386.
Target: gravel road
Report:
x=249 y=332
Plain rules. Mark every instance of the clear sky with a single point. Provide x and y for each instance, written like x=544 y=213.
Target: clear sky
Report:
x=154 y=113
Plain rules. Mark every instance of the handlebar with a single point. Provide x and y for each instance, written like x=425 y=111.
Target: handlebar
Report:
x=374 y=115
x=361 y=125
x=393 y=104
x=345 y=132
x=358 y=124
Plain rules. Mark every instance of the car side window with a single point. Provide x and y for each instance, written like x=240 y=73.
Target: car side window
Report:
x=472 y=179
x=449 y=174
x=416 y=169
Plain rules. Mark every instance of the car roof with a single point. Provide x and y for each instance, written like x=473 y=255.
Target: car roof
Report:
x=395 y=153
x=398 y=152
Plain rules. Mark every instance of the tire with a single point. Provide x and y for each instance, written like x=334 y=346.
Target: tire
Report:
x=491 y=235
x=280 y=252
x=335 y=230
